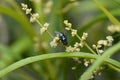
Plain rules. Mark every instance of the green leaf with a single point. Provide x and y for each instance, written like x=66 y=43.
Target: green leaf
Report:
x=14 y=52
x=98 y=18
x=18 y=17
x=54 y=55
x=108 y=14
x=86 y=75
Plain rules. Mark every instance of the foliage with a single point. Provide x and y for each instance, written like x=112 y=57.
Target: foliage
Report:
x=30 y=42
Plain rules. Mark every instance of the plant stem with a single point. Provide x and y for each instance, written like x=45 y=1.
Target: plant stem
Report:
x=55 y=55
x=107 y=13
x=47 y=30
x=86 y=44
x=86 y=75
x=113 y=67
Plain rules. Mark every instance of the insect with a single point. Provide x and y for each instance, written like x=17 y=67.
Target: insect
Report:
x=62 y=37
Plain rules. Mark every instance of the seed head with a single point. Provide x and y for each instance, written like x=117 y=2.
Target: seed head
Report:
x=34 y=17
x=84 y=36
x=28 y=11
x=114 y=28
x=54 y=43
x=74 y=32
x=24 y=6
x=44 y=28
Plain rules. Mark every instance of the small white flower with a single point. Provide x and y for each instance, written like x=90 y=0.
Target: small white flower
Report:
x=46 y=24
x=28 y=11
x=42 y=30
x=24 y=6
x=77 y=49
x=67 y=28
x=81 y=44
x=65 y=22
x=105 y=43
x=34 y=17
x=109 y=38
x=114 y=28
x=69 y=49
x=111 y=29
x=99 y=45
x=68 y=25
x=94 y=46
x=102 y=42
x=74 y=32
x=86 y=63
x=54 y=43
x=84 y=36
x=100 y=51
x=73 y=49
x=76 y=44
x=56 y=39
x=73 y=68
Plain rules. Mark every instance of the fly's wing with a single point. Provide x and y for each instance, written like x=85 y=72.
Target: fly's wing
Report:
x=57 y=33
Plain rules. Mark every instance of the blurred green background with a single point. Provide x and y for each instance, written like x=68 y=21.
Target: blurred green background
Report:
x=20 y=39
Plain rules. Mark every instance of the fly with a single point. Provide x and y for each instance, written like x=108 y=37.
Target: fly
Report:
x=62 y=37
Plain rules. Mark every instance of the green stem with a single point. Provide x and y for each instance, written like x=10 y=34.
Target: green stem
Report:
x=113 y=67
x=53 y=55
x=50 y=67
x=97 y=19
x=68 y=7
x=107 y=13
x=89 y=48
x=47 y=30
x=86 y=75
x=52 y=74
x=86 y=44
